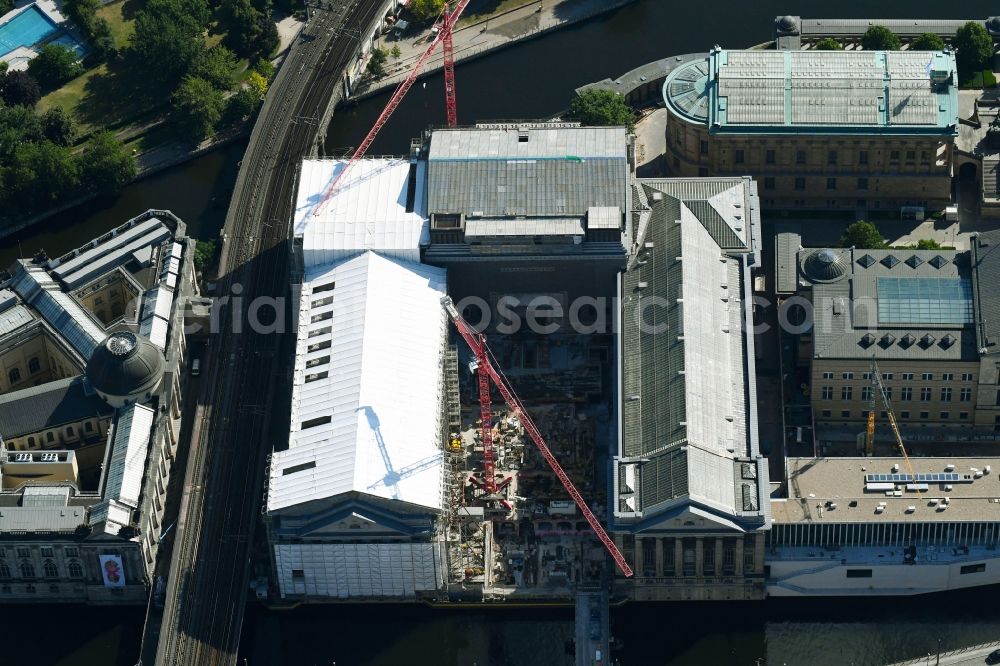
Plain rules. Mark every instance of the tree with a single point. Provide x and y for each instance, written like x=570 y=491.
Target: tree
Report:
x=6 y=6
x=602 y=107
x=863 y=236
x=376 y=64
x=57 y=126
x=204 y=253
x=54 y=65
x=265 y=68
x=19 y=88
x=257 y=84
x=828 y=44
x=217 y=66
x=880 y=38
x=927 y=42
x=106 y=165
x=424 y=10
x=974 y=49
x=252 y=34
x=18 y=125
x=198 y=107
x=928 y=244
x=166 y=40
x=396 y=53
x=41 y=174
x=243 y=104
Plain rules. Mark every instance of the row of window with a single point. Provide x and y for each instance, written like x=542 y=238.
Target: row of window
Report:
x=903 y=415
x=905 y=393
x=14 y=374
x=50 y=437
x=26 y=569
x=45 y=551
x=906 y=376
x=832 y=156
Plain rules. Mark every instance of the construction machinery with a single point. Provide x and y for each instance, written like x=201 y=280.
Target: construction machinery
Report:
x=447 y=21
x=878 y=387
x=487 y=371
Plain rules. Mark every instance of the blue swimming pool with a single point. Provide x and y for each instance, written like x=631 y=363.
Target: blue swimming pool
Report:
x=25 y=29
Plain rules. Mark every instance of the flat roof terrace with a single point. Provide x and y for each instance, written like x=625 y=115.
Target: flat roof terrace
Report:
x=839 y=490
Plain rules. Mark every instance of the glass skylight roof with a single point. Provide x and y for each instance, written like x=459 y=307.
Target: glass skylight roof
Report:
x=924 y=300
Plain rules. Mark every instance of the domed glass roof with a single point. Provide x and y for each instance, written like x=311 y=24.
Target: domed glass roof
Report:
x=125 y=364
x=825 y=265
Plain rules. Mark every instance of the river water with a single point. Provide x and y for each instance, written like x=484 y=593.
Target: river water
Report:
x=535 y=79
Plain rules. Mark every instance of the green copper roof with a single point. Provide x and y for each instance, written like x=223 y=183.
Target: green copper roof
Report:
x=834 y=92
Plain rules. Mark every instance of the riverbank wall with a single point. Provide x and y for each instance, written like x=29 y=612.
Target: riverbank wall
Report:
x=559 y=15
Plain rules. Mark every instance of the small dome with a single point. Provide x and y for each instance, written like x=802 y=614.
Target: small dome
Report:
x=993 y=24
x=825 y=265
x=787 y=23
x=125 y=364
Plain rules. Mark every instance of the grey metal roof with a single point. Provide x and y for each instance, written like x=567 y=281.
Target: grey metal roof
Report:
x=787 y=243
x=846 y=312
x=547 y=226
x=48 y=405
x=41 y=519
x=855 y=92
x=858 y=27
x=558 y=172
x=73 y=322
x=985 y=254
x=45 y=496
x=684 y=409
x=103 y=254
x=14 y=318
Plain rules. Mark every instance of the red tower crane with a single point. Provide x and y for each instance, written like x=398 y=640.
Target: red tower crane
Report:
x=448 y=20
x=487 y=371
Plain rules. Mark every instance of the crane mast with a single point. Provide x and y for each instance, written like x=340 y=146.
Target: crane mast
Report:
x=444 y=36
x=484 y=366
x=879 y=385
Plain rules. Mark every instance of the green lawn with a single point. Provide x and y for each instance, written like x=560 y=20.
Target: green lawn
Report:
x=70 y=95
x=119 y=16
x=488 y=9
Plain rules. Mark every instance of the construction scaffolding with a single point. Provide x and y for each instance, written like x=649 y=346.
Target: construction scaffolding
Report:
x=542 y=546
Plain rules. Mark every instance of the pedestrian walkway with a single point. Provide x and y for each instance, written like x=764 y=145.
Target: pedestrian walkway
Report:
x=483 y=34
x=969 y=656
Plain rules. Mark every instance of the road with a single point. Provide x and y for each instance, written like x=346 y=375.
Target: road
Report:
x=971 y=656
x=220 y=506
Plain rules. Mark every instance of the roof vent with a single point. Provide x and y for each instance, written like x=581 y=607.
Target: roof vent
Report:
x=914 y=261
x=907 y=341
x=927 y=340
x=867 y=340
x=887 y=340
x=866 y=260
x=889 y=260
x=948 y=341
x=938 y=261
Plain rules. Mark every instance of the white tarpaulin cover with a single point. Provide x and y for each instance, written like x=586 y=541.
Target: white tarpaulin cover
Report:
x=366 y=398
x=367 y=212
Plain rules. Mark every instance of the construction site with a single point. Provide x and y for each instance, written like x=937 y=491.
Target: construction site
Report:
x=528 y=539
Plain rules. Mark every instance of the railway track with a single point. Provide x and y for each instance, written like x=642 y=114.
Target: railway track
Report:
x=210 y=575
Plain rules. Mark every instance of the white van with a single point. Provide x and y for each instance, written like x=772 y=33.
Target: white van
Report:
x=196 y=367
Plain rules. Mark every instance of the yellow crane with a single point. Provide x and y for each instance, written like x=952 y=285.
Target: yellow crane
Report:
x=878 y=386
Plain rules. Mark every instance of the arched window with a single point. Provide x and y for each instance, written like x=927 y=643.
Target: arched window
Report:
x=49 y=437
x=14 y=376
x=34 y=365
x=4 y=570
x=51 y=571
x=75 y=570
x=31 y=441
x=69 y=431
x=27 y=570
